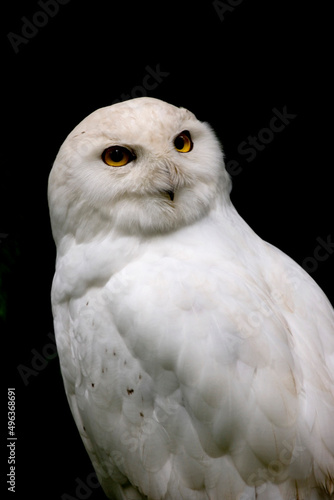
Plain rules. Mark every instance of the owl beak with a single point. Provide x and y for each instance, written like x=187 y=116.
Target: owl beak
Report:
x=170 y=178
x=170 y=194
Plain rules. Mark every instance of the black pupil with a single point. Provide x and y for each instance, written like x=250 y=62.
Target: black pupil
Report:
x=179 y=142
x=116 y=155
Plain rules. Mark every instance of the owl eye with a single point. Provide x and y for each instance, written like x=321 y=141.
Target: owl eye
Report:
x=117 y=156
x=183 y=142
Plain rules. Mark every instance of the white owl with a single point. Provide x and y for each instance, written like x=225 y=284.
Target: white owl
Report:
x=197 y=358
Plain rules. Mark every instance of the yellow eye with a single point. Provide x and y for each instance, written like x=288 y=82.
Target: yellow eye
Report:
x=117 y=156
x=183 y=142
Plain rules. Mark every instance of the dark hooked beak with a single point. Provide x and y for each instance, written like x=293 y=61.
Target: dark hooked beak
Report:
x=170 y=194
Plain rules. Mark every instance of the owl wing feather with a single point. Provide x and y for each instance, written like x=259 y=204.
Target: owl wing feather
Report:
x=198 y=370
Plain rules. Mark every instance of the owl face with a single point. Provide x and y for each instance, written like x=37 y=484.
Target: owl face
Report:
x=140 y=166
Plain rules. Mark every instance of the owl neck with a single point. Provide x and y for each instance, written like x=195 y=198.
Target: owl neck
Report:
x=92 y=262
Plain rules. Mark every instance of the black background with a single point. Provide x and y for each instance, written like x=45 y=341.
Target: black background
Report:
x=230 y=72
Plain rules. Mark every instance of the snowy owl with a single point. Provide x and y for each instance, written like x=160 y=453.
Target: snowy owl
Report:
x=197 y=359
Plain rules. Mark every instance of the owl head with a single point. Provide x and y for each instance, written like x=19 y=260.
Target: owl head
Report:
x=141 y=166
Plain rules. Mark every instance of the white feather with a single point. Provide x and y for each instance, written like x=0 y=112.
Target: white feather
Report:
x=197 y=359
